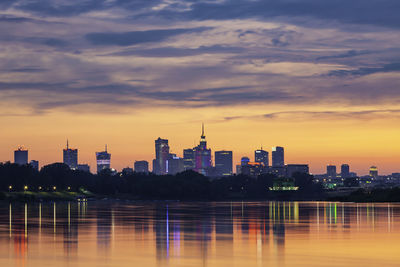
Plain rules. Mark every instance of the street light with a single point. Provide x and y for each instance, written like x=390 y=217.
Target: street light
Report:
x=25 y=187
x=10 y=188
x=54 y=188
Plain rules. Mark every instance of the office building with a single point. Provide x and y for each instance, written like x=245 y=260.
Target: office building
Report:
x=373 y=172
x=278 y=157
x=103 y=160
x=252 y=169
x=296 y=168
x=345 y=171
x=162 y=155
x=189 y=159
x=84 y=167
x=202 y=155
x=261 y=155
x=175 y=164
x=331 y=171
x=244 y=161
x=34 y=164
x=141 y=166
x=21 y=156
x=70 y=157
x=223 y=163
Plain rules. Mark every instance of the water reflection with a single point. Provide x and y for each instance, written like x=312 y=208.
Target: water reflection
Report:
x=206 y=234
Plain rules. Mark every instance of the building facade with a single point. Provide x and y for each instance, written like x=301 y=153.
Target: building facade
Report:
x=189 y=159
x=103 y=160
x=278 y=157
x=162 y=155
x=141 y=166
x=345 y=171
x=21 y=156
x=202 y=155
x=70 y=157
x=261 y=155
x=223 y=163
x=331 y=171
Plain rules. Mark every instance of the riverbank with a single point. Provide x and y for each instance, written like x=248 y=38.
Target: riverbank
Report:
x=30 y=196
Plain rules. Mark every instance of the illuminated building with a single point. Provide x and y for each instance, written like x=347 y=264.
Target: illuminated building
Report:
x=296 y=168
x=103 y=160
x=70 y=157
x=84 y=167
x=34 y=164
x=21 y=156
x=278 y=157
x=244 y=161
x=223 y=163
x=202 y=155
x=331 y=171
x=162 y=155
x=188 y=159
x=141 y=166
x=345 y=171
x=252 y=169
x=373 y=171
x=175 y=164
x=261 y=155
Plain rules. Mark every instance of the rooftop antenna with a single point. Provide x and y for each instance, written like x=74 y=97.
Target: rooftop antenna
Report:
x=202 y=130
x=67 y=144
x=106 y=148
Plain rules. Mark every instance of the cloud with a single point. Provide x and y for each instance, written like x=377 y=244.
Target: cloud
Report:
x=179 y=52
x=137 y=37
x=300 y=115
x=393 y=67
x=52 y=42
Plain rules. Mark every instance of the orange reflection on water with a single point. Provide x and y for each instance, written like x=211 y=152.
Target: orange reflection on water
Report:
x=199 y=234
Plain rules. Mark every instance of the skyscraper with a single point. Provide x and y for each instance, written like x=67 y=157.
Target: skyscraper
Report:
x=162 y=155
x=103 y=160
x=175 y=164
x=223 y=163
x=141 y=166
x=345 y=171
x=202 y=155
x=261 y=155
x=331 y=171
x=21 y=156
x=70 y=157
x=188 y=159
x=278 y=157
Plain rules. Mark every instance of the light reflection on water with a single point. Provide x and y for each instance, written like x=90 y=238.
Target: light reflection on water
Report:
x=148 y=234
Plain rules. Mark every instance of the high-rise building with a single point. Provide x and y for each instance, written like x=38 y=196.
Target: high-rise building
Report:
x=70 y=157
x=345 y=171
x=162 y=155
x=244 y=161
x=202 y=155
x=331 y=171
x=84 y=167
x=278 y=157
x=261 y=155
x=21 y=156
x=188 y=159
x=103 y=160
x=175 y=164
x=223 y=163
x=373 y=172
x=296 y=168
x=141 y=166
x=253 y=169
x=34 y=164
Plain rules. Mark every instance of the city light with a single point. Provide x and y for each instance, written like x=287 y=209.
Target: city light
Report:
x=25 y=187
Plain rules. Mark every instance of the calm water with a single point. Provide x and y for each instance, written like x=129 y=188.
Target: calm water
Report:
x=199 y=234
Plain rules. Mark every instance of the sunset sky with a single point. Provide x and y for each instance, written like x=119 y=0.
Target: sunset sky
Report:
x=321 y=78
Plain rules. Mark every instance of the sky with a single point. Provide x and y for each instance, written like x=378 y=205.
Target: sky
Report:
x=320 y=78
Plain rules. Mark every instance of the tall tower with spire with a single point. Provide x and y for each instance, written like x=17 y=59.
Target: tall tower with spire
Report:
x=202 y=155
x=70 y=157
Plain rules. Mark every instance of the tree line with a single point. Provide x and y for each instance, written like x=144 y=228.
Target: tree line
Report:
x=186 y=185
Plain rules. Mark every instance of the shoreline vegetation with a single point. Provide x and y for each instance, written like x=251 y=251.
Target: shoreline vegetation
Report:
x=57 y=182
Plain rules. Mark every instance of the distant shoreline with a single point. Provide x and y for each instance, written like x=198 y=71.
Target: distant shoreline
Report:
x=391 y=195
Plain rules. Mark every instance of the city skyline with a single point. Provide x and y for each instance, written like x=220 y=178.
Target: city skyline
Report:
x=268 y=158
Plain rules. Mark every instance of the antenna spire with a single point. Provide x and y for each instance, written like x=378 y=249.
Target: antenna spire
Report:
x=106 y=148
x=202 y=129
x=67 y=144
